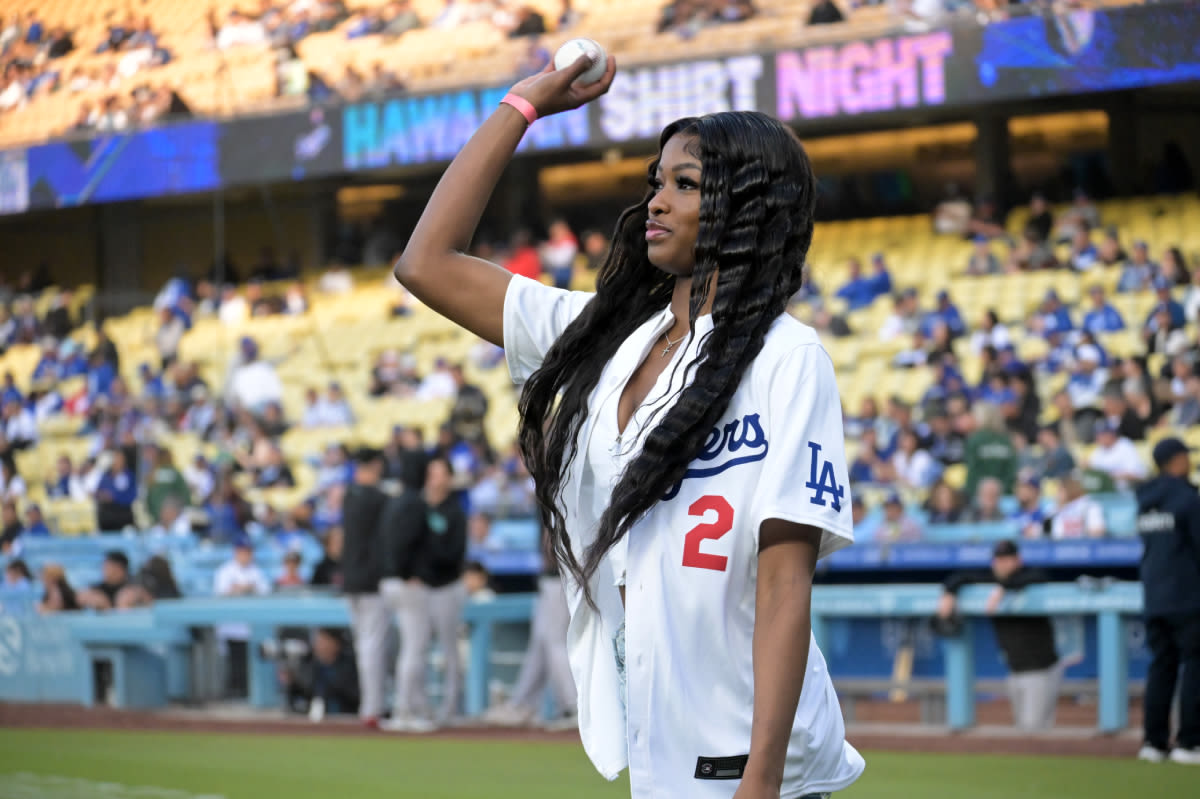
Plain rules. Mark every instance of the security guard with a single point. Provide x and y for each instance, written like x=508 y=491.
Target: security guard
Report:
x=1169 y=523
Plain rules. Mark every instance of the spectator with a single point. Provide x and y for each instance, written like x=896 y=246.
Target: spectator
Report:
x=1052 y=317
x=1186 y=411
x=1087 y=379
x=896 y=526
x=254 y=383
x=1123 y=419
x=1175 y=314
x=201 y=479
x=35 y=523
x=825 y=12
x=1027 y=642
x=57 y=594
x=946 y=444
x=1103 y=318
x=991 y=333
x=559 y=252
x=228 y=511
x=986 y=506
x=1078 y=515
x=115 y=495
x=17 y=576
x=568 y=18
x=291 y=577
x=526 y=22
x=1110 y=251
x=164 y=483
x=393 y=375
x=328 y=571
x=905 y=318
x=1174 y=267
x=859 y=291
x=20 y=425
x=12 y=485
x=469 y=410
x=240 y=30
x=439 y=383
x=477 y=580
x=1191 y=301
x=334 y=408
x=274 y=473
x=1041 y=219
x=1029 y=514
x=154 y=581
x=400 y=19
x=1116 y=456
x=945 y=505
x=11 y=528
x=1082 y=213
x=983 y=261
x=1138 y=272
x=172 y=521
x=406 y=458
x=989 y=451
x=239 y=577
x=114 y=577
x=945 y=313
x=913 y=466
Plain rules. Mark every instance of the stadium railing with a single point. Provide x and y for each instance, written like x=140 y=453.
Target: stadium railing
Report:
x=52 y=658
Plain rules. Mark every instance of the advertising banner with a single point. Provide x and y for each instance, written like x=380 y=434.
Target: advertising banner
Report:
x=14 y=182
x=294 y=146
x=175 y=159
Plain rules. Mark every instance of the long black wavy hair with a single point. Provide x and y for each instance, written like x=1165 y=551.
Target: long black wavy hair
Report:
x=757 y=198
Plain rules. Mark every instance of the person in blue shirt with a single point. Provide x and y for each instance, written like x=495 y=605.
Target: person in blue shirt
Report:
x=1166 y=302
x=1103 y=318
x=100 y=376
x=1029 y=514
x=9 y=390
x=858 y=291
x=35 y=525
x=881 y=279
x=152 y=384
x=71 y=360
x=1053 y=317
x=48 y=366
x=1139 y=271
x=115 y=495
x=947 y=313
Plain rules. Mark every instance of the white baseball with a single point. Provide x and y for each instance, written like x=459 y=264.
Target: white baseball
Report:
x=570 y=52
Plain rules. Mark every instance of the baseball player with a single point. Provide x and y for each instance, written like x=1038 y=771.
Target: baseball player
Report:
x=685 y=436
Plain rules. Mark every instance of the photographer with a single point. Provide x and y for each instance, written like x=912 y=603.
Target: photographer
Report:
x=321 y=679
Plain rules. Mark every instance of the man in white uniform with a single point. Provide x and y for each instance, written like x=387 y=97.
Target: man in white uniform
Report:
x=675 y=704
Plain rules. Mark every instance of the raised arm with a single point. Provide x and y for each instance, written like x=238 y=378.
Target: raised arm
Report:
x=470 y=291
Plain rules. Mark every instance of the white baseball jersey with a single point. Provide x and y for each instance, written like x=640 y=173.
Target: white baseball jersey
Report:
x=682 y=727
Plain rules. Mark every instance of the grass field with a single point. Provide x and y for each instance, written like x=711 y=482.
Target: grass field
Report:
x=37 y=764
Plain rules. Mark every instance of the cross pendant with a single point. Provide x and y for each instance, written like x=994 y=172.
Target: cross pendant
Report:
x=665 y=351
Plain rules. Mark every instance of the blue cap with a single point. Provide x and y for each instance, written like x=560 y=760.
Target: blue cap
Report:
x=893 y=498
x=1141 y=244
x=1167 y=449
x=242 y=542
x=877 y=258
x=979 y=238
x=1051 y=294
x=943 y=295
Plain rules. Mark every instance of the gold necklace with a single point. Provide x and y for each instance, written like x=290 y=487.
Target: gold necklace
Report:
x=671 y=344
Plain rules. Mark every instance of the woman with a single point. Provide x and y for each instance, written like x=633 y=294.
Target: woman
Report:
x=682 y=367
x=945 y=505
x=57 y=593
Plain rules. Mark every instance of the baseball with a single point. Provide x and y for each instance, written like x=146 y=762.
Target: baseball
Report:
x=570 y=52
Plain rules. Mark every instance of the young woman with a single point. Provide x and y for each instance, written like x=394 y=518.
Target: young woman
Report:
x=685 y=435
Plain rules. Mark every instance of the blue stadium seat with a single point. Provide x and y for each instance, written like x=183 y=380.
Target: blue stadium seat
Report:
x=1120 y=513
x=983 y=531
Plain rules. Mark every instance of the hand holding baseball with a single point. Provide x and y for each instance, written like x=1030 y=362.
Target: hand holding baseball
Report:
x=552 y=91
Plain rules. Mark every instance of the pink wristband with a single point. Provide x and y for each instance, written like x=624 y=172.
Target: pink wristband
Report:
x=523 y=106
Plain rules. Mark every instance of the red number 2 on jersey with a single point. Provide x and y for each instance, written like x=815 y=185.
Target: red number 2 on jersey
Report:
x=692 y=556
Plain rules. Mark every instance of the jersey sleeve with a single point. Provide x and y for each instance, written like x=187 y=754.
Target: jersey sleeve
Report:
x=804 y=478
x=535 y=315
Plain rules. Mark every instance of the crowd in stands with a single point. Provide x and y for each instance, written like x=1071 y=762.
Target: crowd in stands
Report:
x=130 y=47
x=994 y=435
x=1034 y=443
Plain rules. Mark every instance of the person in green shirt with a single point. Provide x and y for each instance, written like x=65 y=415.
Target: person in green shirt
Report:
x=163 y=482
x=990 y=451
